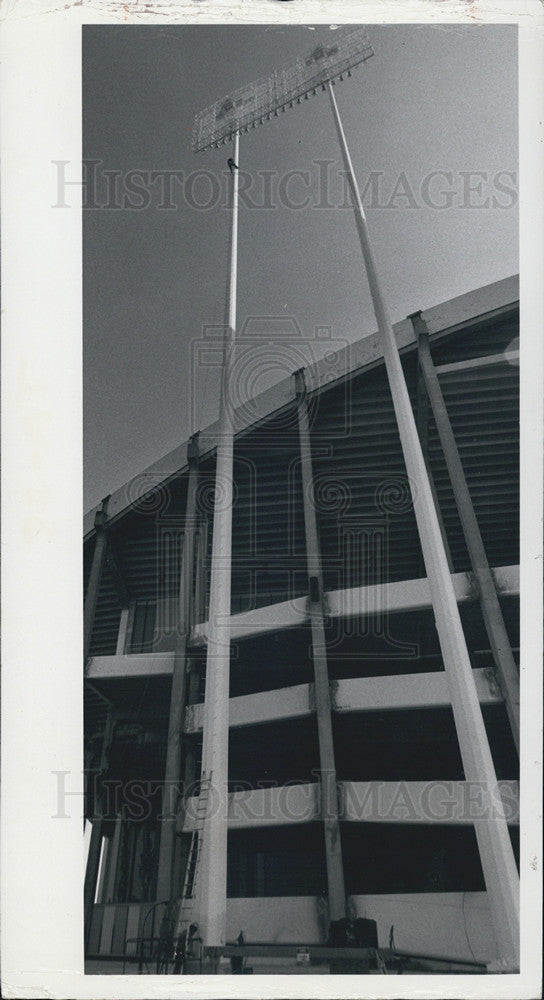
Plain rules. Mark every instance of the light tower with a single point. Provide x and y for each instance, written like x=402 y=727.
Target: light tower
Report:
x=223 y=122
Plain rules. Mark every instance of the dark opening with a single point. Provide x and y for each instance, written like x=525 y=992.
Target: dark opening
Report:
x=285 y=861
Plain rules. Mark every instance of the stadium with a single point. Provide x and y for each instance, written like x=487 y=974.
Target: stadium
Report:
x=347 y=791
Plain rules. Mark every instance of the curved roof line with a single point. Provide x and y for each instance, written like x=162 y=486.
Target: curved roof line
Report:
x=441 y=320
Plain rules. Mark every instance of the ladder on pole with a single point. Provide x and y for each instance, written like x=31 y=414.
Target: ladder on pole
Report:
x=191 y=871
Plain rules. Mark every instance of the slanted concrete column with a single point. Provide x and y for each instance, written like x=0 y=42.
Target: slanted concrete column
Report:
x=200 y=582
x=328 y=785
x=422 y=421
x=95 y=846
x=97 y=567
x=114 y=857
x=193 y=693
x=172 y=775
x=507 y=673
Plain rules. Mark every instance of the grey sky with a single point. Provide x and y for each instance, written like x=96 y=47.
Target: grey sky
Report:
x=431 y=99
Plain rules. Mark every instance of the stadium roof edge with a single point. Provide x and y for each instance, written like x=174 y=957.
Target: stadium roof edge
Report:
x=441 y=320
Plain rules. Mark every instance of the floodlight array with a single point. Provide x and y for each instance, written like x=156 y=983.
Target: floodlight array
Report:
x=257 y=102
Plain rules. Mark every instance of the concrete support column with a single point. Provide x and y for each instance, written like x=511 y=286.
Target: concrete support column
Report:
x=123 y=632
x=193 y=692
x=93 y=862
x=422 y=420
x=507 y=673
x=113 y=858
x=200 y=581
x=97 y=567
x=95 y=846
x=328 y=785
x=172 y=775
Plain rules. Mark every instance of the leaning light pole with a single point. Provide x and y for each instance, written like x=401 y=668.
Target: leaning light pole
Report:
x=241 y=111
x=212 y=885
x=496 y=854
x=219 y=124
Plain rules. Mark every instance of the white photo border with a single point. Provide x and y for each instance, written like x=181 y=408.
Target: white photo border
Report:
x=42 y=866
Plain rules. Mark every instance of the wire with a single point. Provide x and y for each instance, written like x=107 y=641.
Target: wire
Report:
x=465 y=927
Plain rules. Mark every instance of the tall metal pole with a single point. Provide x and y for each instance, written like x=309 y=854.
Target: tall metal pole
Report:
x=328 y=785
x=508 y=676
x=184 y=620
x=212 y=891
x=491 y=830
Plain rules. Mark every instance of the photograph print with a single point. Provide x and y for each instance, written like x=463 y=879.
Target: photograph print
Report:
x=301 y=533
